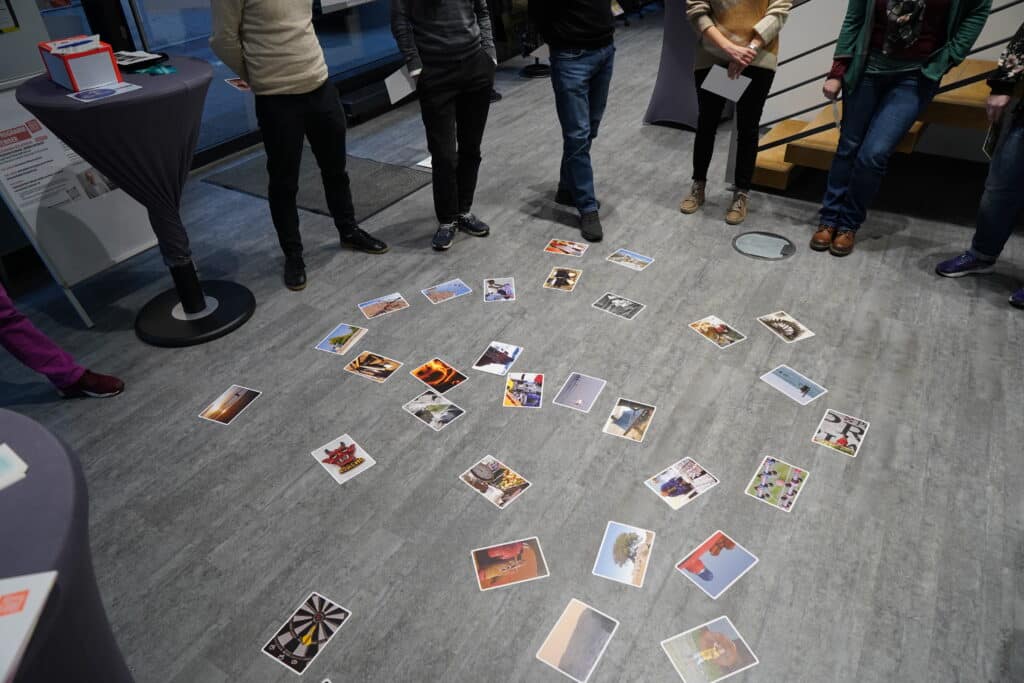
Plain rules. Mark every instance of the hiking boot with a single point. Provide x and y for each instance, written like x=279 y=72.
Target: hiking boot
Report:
x=590 y=227
x=695 y=199
x=822 y=240
x=842 y=243
x=444 y=236
x=93 y=385
x=471 y=225
x=966 y=263
x=737 y=212
x=360 y=240
x=294 y=273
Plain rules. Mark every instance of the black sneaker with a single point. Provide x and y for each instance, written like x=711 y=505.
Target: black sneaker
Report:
x=360 y=240
x=471 y=225
x=444 y=236
x=590 y=227
x=564 y=197
x=294 y=273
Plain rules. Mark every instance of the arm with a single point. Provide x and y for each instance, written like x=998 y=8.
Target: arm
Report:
x=856 y=15
x=970 y=28
x=483 y=20
x=226 y=41
x=699 y=14
x=768 y=28
x=401 y=28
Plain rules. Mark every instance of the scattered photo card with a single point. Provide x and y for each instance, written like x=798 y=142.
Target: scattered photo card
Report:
x=630 y=259
x=498 y=358
x=566 y=248
x=373 y=366
x=680 y=483
x=577 y=641
x=793 y=384
x=499 y=289
x=579 y=392
x=229 y=405
x=563 y=279
x=523 y=390
x=341 y=339
x=306 y=632
x=709 y=653
x=343 y=458
x=716 y=564
x=382 y=305
x=777 y=483
x=438 y=375
x=840 y=432
x=433 y=410
x=509 y=563
x=495 y=481
x=446 y=291
x=785 y=327
x=630 y=420
x=717 y=331
x=619 y=306
x=624 y=554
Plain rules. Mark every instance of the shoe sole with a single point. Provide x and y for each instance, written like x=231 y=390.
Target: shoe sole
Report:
x=820 y=247
x=978 y=271
x=1016 y=304
x=89 y=394
x=840 y=254
x=485 y=233
x=592 y=238
x=444 y=248
x=734 y=222
x=365 y=251
x=689 y=212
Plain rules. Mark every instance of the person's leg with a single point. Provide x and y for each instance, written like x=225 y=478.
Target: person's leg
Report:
x=749 y=109
x=600 y=84
x=34 y=349
x=897 y=110
x=280 y=118
x=471 y=107
x=571 y=72
x=709 y=114
x=437 y=107
x=1003 y=199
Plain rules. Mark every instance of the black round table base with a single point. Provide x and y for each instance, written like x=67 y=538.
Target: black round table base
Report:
x=157 y=325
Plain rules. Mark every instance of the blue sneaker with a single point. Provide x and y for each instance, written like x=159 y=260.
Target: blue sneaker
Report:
x=1017 y=298
x=444 y=236
x=964 y=264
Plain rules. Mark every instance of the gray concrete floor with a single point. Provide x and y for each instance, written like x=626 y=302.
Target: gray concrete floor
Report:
x=902 y=564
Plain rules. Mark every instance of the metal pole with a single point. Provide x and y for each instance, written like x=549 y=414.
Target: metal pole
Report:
x=138 y=24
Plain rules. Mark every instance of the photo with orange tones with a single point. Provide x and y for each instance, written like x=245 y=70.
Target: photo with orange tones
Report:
x=577 y=641
x=382 y=305
x=506 y=564
x=524 y=390
x=229 y=404
x=709 y=653
x=566 y=248
x=716 y=564
x=438 y=375
x=373 y=366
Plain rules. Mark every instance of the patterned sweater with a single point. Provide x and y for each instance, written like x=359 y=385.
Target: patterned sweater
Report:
x=739 y=21
x=1011 y=66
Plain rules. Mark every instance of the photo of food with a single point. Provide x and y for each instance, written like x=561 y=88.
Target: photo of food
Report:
x=373 y=366
x=495 y=481
x=506 y=564
x=630 y=420
x=341 y=339
x=438 y=375
x=524 y=390
x=563 y=279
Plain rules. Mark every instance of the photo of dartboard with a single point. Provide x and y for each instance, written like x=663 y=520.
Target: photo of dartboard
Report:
x=307 y=631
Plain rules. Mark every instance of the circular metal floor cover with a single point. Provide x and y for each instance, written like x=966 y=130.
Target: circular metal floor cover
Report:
x=763 y=245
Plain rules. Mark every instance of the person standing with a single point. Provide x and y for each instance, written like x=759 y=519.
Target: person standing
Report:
x=449 y=50
x=271 y=45
x=1003 y=199
x=36 y=351
x=580 y=34
x=889 y=60
x=742 y=36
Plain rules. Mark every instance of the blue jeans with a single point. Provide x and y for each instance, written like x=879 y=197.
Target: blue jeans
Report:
x=580 y=79
x=876 y=116
x=1004 y=194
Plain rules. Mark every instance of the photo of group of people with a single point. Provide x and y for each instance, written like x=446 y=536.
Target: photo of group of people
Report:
x=777 y=483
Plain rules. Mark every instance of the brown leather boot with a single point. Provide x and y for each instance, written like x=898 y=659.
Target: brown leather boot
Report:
x=695 y=199
x=842 y=243
x=822 y=240
x=737 y=212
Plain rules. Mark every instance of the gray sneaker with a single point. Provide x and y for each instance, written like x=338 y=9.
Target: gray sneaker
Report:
x=444 y=236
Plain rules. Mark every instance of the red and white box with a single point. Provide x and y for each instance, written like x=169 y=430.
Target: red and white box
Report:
x=80 y=62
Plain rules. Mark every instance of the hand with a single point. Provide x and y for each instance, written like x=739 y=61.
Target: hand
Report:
x=739 y=53
x=735 y=69
x=831 y=89
x=995 y=106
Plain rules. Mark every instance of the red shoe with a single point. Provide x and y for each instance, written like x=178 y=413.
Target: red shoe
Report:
x=93 y=385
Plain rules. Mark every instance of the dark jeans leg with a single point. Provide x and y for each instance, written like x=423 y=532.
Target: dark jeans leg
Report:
x=1004 y=195
x=437 y=95
x=898 y=109
x=281 y=120
x=471 y=108
x=748 y=123
x=709 y=113
x=325 y=129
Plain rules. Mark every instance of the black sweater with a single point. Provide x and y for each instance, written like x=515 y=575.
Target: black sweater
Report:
x=574 y=24
x=440 y=30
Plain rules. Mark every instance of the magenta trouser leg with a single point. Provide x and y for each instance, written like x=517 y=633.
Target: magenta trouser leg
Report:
x=33 y=348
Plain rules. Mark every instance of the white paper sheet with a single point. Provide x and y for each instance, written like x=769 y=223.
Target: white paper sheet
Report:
x=22 y=599
x=399 y=85
x=718 y=82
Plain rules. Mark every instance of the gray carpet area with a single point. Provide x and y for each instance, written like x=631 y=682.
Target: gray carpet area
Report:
x=902 y=564
x=375 y=185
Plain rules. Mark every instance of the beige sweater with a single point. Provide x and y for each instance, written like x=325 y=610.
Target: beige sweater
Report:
x=270 y=44
x=739 y=21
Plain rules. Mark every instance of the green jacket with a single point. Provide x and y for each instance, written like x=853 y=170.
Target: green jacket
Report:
x=966 y=19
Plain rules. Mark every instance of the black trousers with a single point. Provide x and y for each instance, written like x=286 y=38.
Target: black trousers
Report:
x=284 y=121
x=455 y=98
x=748 y=121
